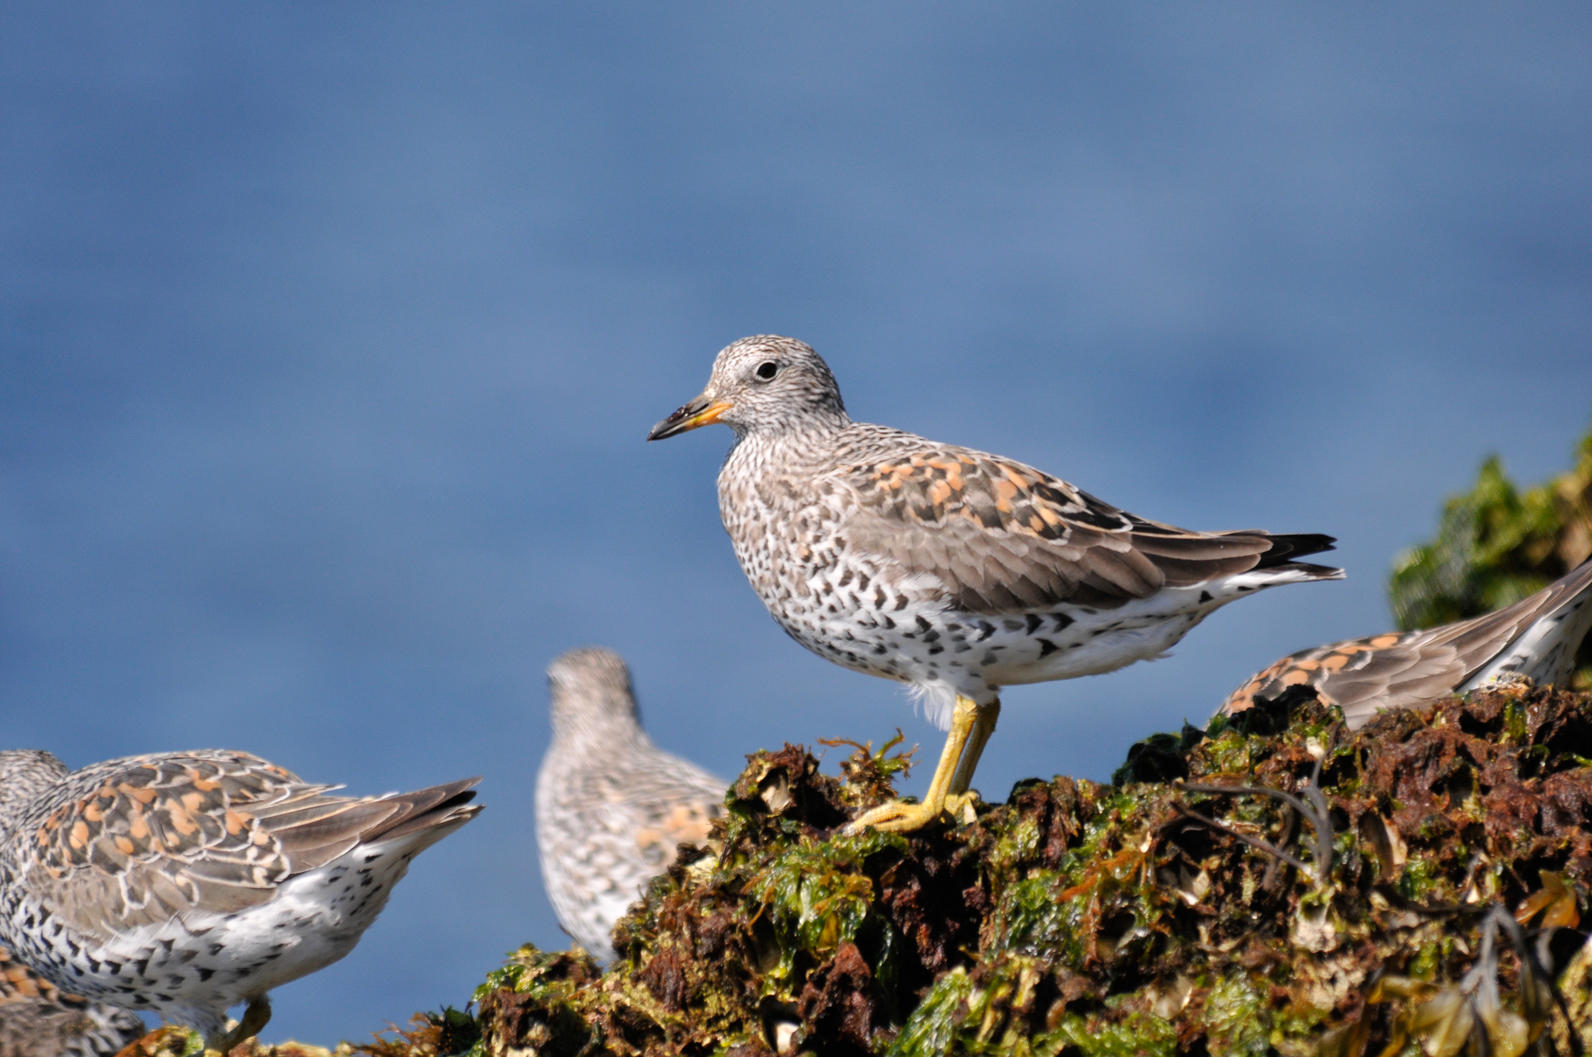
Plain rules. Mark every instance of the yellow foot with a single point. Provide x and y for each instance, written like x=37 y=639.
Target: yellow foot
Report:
x=255 y=1016
x=904 y=816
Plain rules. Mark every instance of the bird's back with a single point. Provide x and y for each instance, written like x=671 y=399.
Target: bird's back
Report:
x=608 y=823
x=931 y=563
x=1536 y=638
x=113 y=874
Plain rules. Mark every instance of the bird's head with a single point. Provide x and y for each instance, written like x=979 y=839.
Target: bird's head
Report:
x=764 y=383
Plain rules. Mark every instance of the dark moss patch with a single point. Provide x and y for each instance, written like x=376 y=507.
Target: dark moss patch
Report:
x=1275 y=884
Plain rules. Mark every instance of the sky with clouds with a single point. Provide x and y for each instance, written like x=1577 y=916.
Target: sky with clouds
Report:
x=331 y=334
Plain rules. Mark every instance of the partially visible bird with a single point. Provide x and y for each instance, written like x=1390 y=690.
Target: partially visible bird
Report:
x=186 y=882
x=611 y=807
x=1536 y=638
x=953 y=570
x=37 y=1020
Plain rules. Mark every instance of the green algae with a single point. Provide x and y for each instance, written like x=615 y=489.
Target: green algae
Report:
x=1081 y=919
x=1034 y=915
x=1237 y=1016
x=817 y=896
x=989 y=1012
x=1134 y=1035
x=933 y=1028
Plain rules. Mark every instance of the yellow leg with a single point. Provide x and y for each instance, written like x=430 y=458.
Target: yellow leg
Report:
x=983 y=727
x=255 y=1016
x=971 y=727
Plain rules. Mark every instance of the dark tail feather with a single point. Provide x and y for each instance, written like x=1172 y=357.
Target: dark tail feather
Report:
x=1285 y=548
x=440 y=805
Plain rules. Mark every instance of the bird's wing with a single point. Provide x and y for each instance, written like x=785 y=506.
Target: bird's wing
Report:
x=676 y=806
x=674 y=823
x=146 y=839
x=1405 y=669
x=1480 y=640
x=1003 y=536
x=1361 y=676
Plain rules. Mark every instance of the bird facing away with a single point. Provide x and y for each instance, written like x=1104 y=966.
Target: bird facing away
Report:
x=611 y=807
x=186 y=882
x=1536 y=638
x=955 y=571
x=37 y=1020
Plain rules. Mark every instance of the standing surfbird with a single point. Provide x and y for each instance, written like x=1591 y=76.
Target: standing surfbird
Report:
x=955 y=571
x=186 y=882
x=37 y=1020
x=1536 y=639
x=611 y=807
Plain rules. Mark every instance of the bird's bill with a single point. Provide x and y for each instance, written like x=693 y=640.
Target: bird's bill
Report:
x=689 y=416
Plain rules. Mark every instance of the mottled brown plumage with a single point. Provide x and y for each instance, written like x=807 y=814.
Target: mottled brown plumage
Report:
x=186 y=882
x=1536 y=638
x=37 y=1020
x=953 y=570
x=1003 y=536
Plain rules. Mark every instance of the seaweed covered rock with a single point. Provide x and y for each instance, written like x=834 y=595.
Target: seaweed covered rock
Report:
x=450 y=1032
x=173 y=1041
x=1276 y=883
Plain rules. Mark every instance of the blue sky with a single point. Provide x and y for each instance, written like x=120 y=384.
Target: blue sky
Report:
x=331 y=334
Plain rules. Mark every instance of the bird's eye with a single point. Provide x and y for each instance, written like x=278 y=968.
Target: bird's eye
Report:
x=767 y=370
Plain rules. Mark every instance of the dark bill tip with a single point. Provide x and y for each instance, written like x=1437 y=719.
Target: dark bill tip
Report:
x=688 y=417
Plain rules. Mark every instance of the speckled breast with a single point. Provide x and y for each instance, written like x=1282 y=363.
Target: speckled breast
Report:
x=849 y=607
